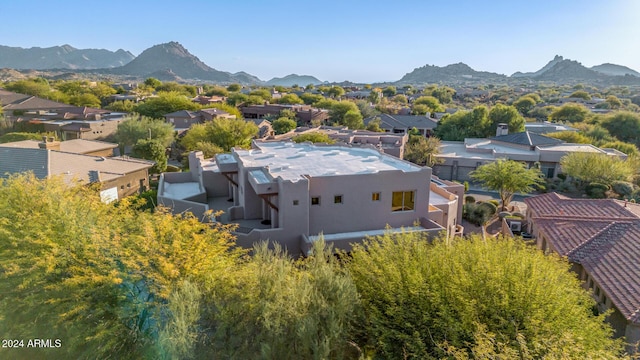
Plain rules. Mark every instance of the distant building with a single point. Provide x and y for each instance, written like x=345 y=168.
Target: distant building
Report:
x=292 y=193
x=305 y=114
x=402 y=124
x=461 y=157
x=118 y=177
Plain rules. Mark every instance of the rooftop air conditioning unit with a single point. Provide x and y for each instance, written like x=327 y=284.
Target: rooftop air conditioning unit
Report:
x=516 y=226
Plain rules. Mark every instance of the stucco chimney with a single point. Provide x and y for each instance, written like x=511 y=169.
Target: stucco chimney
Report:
x=502 y=129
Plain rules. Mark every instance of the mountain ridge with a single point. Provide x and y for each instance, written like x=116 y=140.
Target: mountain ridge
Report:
x=61 y=57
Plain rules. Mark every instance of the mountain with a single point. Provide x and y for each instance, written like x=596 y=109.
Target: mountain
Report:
x=293 y=79
x=174 y=60
x=454 y=73
x=549 y=65
x=61 y=57
x=614 y=70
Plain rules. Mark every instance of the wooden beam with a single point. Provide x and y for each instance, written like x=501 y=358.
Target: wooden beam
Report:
x=265 y=197
x=228 y=176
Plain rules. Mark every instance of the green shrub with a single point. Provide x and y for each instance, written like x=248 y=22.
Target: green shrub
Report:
x=622 y=188
x=597 y=190
x=562 y=177
x=490 y=207
x=494 y=202
x=469 y=199
x=477 y=214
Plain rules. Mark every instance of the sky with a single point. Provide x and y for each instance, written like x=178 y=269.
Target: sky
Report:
x=360 y=41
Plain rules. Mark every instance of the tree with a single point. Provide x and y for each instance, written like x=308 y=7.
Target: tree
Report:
x=290 y=99
x=465 y=124
x=86 y=99
x=524 y=104
x=217 y=90
x=374 y=125
x=151 y=150
x=237 y=99
x=125 y=106
x=374 y=96
x=389 y=91
x=314 y=137
x=37 y=87
x=165 y=103
x=571 y=137
x=472 y=298
x=423 y=151
x=596 y=167
x=572 y=113
x=353 y=120
x=444 y=94
x=96 y=276
x=283 y=125
x=432 y=103
x=508 y=177
x=309 y=98
x=624 y=125
x=339 y=110
x=234 y=87
x=335 y=92
x=134 y=128
x=506 y=114
x=264 y=94
x=580 y=94
x=152 y=82
x=281 y=308
x=228 y=133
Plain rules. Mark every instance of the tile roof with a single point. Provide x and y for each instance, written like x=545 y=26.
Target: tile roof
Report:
x=603 y=236
x=15 y=101
x=554 y=205
x=527 y=138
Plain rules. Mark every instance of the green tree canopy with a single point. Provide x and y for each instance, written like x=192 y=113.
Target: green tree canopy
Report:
x=151 y=150
x=508 y=177
x=290 y=99
x=19 y=136
x=152 y=82
x=353 y=120
x=580 y=94
x=335 y=92
x=506 y=114
x=472 y=298
x=314 y=137
x=571 y=137
x=234 y=87
x=423 y=151
x=165 y=103
x=389 y=91
x=228 y=133
x=86 y=99
x=134 y=128
x=444 y=94
x=629 y=149
x=624 y=125
x=432 y=103
x=96 y=276
x=340 y=109
x=310 y=99
x=596 y=167
x=283 y=125
x=524 y=104
x=464 y=124
x=572 y=113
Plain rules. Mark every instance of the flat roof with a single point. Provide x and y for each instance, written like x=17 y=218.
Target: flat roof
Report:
x=290 y=160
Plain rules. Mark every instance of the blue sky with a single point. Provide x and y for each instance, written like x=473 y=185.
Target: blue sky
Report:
x=362 y=41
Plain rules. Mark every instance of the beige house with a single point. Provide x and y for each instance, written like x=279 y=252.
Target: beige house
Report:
x=292 y=193
x=118 y=177
x=601 y=240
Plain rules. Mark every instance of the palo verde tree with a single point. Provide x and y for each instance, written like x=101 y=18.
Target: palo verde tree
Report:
x=596 y=167
x=508 y=177
x=96 y=276
x=135 y=127
x=472 y=298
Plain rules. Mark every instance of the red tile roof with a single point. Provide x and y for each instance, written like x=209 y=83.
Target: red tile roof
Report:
x=601 y=235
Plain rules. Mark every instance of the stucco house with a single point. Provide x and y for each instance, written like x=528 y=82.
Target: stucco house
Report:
x=601 y=240
x=402 y=124
x=292 y=193
x=459 y=158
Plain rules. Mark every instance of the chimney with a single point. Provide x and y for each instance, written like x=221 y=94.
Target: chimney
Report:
x=49 y=143
x=502 y=129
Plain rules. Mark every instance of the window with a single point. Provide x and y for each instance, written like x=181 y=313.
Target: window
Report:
x=375 y=196
x=337 y=199
x=295 y=202
x=315 y=200
x=403 y=201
